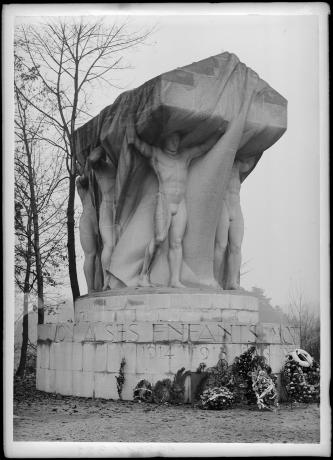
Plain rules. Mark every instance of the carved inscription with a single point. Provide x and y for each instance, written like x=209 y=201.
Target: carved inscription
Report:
x=290 y=335
x=204 y=332
x=166 y=332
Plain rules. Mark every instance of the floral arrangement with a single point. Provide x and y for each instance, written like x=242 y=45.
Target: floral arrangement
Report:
x=241 y=369
x=249 y=378
x=264 y=389
x=143 y=391
x=177 y=391
x=254 y=380
x=121 y=378
x=166 y=391
x=302 y=384
x=216 y=376
x=220 y=375
x=161 y=391
x=217 y=398
x=243 y=363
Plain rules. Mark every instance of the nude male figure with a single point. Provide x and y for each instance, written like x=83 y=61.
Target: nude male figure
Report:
x=230 y=230
x=89 y=236
x=105 y=174
x=171 y=167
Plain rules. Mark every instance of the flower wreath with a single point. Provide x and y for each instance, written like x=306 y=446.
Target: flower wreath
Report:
x=302 y=383
x=302 y=357
x=143 y=391
x=217 y=398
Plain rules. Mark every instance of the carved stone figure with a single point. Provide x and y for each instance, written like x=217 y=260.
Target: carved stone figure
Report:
x=89 y=236
x=166 y=209
x=230 y=230
x=105 y=174
x=171 y=168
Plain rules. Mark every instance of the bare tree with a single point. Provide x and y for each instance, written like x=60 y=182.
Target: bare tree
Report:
x=67 y=57
x=39 y=201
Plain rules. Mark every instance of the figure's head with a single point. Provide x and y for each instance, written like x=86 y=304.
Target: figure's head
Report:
x=171 y=143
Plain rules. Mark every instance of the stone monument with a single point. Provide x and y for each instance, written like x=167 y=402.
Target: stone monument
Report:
x=163 y=167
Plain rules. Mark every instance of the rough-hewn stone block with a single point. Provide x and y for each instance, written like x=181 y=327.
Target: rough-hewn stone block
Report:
x=46 y=331
x=105 y=385
x=63 y=382
x=46 y=380
x=77 y=358
x=83 y=384
x=88 y=356
x=63 y=355
x=101 y=357
x=43 y=356
x=115 y=354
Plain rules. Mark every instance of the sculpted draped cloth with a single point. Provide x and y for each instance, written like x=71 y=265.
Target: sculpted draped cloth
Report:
x=193 y=101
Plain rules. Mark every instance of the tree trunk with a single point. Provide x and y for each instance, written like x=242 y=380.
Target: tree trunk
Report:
x=71 y=239
x=33 y=204
x=25 y=320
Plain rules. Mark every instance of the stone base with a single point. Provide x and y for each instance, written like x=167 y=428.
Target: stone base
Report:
x=157 y=332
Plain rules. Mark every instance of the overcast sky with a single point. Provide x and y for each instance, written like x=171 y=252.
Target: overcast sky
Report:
x=280 y=199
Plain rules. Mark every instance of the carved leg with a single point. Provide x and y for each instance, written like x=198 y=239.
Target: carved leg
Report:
x=106 y=260
x=89 y=270
x=107 y=234
x=88 y=243
x=236 y=233
x=98 y=281
x=176 y=234
x=221 y=242
x=151 y=249
x=162 y=224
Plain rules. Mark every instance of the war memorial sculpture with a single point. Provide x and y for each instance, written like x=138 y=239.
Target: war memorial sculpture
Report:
x=161 y=230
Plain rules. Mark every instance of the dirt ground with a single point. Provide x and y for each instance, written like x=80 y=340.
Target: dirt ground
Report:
x=40 y=416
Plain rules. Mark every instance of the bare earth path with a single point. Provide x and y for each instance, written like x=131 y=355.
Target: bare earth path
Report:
x=43 y=417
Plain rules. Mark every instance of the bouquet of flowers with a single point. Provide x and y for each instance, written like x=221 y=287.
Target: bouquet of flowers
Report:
x=143 y=391
x=264 y=388
x=162 y=391
x=177 y=391
x=121 y=378
x=217 y=398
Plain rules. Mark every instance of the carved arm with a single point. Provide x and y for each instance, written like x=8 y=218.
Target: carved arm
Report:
x=133 y=139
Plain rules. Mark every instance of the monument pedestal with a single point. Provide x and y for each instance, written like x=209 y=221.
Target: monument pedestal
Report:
x=157 y=332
